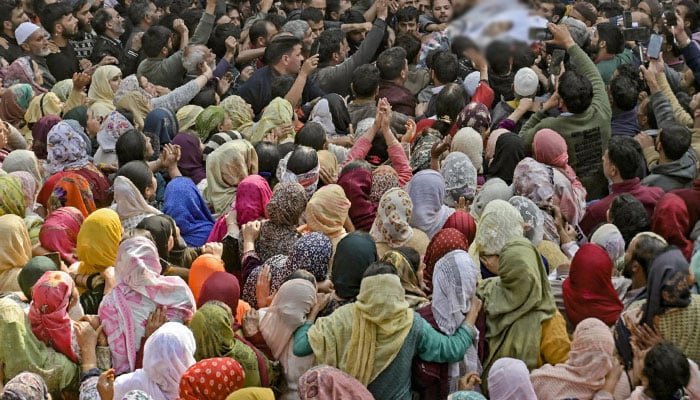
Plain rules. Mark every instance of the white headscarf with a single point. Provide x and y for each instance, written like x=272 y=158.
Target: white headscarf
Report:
x=510 y=379
x=427 y=191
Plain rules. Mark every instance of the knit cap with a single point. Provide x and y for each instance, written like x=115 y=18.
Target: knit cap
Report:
x=24 y=31
x=525 y=82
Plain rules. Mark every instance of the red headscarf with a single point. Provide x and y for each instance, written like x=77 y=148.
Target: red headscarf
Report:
x=672 y=222
x=48 y=313
x=251 y=199
x=588 y=291
x=463 y=222
x=443 y=242
x=212 y=378
x=549 y=147
x=72 y=190
x=357 y=184
x=202 y=268
x=60 y=232
x=223 y=287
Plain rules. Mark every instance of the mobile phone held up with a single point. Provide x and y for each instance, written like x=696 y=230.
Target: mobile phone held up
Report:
x=314 y=47
x=540 y=34
x=654 y=48
x=555 y=64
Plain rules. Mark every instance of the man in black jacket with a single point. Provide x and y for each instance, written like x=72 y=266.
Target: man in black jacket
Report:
x=108 y=25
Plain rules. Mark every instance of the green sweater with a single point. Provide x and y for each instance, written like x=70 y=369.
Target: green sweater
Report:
x=394 y=383
x=607 y=67
x=586 y=133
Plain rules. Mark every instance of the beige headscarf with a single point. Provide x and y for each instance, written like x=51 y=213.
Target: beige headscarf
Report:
x=16 y=251
x=227 y=166
x=327 y=211
x=278 y=112
x=237 y=110
x=139 y=106
x=130 y=204
x=469 y=142
x=499 y=223
x=101 y=95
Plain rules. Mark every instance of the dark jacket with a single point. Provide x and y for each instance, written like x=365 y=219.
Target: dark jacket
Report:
x=104 y=46
x=674 y=175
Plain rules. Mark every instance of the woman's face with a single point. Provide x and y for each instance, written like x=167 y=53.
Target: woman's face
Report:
x=114 y=82
x=148 y=86
x=227 y=125
x=38 y=77
x=93 y=124
x=149 y=148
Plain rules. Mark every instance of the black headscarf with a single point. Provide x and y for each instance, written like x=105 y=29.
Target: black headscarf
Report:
x=354 y=253
x=510 y=150
x=667 y=284
x=339 y=113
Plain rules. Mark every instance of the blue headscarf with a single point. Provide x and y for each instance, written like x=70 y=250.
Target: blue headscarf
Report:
x=161 y=126
x=186 y=205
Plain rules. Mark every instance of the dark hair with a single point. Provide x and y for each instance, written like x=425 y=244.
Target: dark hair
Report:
x=610 y=9
x=406 y=14
x=629 y=215
x=445 y=66
x=303 y=159
x=154 y=39
x=52 y=15
x=311 y=135
x=6 y=8
x=411 y=255
x=575 y=91
x=612 y=35
x=138 y=173
x=126 y=114
x=675 y=140
x=285 y=148
x=365 y=80
x=332 y=6
x=646 y=249
x=277 y=20
x=279 y=47
x=357 y=163
x=667 y=370
x=38 y=6
x=217 y=41
x=138 y=11
x=624 y=92
x=648 y=111
x=449 y=102
x=131 y=146
x=281 y=85
x=268 y=158
x=631 y=72
x=351 y=16
x=624 y=156
x=409 y=43
x=302 y=274
x=461 y=44
x=78 y=5
x=391 y=62
x=498 y=56
x=311 y=14
x=379 y=268
x=523 y=56
x=328 y=43
x=258 y=30
x=692 y=15
x=191 y=17
x=99 y=20
x=162 y=229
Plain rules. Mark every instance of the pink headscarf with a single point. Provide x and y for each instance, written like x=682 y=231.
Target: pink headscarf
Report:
x=60 y=232
x=509 y=378
x=251 y=199
x=48 y=313
x=548 y=147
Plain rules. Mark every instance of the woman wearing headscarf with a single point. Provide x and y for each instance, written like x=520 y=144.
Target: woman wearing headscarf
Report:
x=375 y=338
x=331 y=112
x=468 y=142
x=71 y=190
x=227 y=166
x=186 y=205
x=52 y=296
x=327 y=211
x=494 y=188
x=288 y=311
x=26 y=385
x=24 y=70
x=312 y=253
x=445 y=241
x=415 y=297
x=40 y=132
x=138 y=105
x=383 y=178
x=588 y=291
x=210 y=121
x=509 y=378
x=548 y=147
x=104 y=84
x=17 y=251
x=252 y=393
x=353 y=255
x=279 y=233
x=224 y=287
x=41 y=106
x=213 y=378
x=202 y=268
x=68 y=150
x=670 y=308
x=521 y=316
x=59 y=232
x=114 y=125
x=328 y=383
x=499 y=223
x=140 y=290
x=533 y=180
x=240 y=113
x=30 y=188
x=97 y=245
x=191 y=162
x=583 y=374
x=187 y=116
x=460 y=178
x=130 y=204
x=510 y=149
x=277 y=113
x=161 y=126
x=14 y=104
x=22 y=351
x=23 y=160
x=167 y=354
x=475 y=115
x=392 y=229
x=214 y=337
x=300 y=165
x=427 y=191
x=671 y=220
x=12 y=199
x=356 y=181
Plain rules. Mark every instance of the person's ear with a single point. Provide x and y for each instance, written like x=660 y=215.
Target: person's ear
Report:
x=602 y=44
x=7 y=25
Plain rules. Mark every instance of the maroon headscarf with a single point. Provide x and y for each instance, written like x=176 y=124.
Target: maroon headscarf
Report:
x=223 y=287
x=191 y=162
x=40 y=131
x=443 y=242
x=672 y=222
x=463 y=222
x=357 y=184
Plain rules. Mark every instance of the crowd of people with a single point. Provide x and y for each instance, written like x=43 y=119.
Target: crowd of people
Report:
x=349 y=199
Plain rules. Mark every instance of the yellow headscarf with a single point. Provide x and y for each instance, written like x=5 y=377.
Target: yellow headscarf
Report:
x=238 y=111
x=101 y=95
x=12 y=199
x=98 y=241
x=187 y=115
x=44 y=104
x=16 y=251
x=363 y=339
x=328 y=161
x=139 y=106
x=253 y=393
x=278 y=112
x=227 y=166
x=327 y=211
